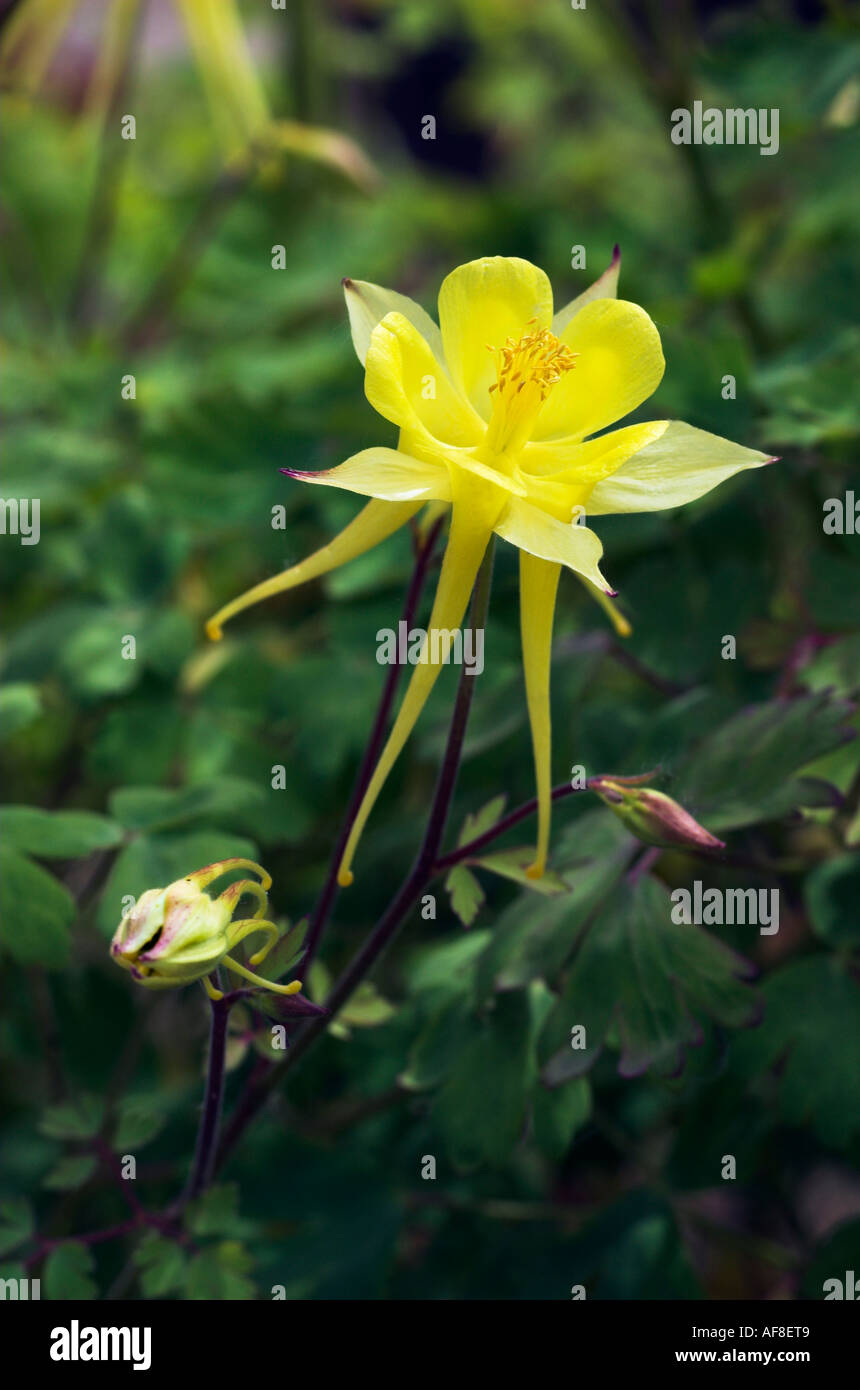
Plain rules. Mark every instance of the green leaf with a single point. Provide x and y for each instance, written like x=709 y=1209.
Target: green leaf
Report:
x=631 y=1246
x=77 y=1119
x=440 y=1043
x=832 y=893
x=481 y=1107
x=37 y=912
x=835 y=668
x=71 y=1173
x=56 y=834
x=533 y=939
x=160 y=808
x=92 y=655
x=465 y=893
x=162 y=1264
x=20 y=704
x=811 y=1028
x=481 y=821
x=512 y=864
x=366 y=1008
x=66 y=1274
x=216 y=1213
x=447 y=966
x=140 y=1120
x=745 y=771
x=559 y=1115
x=285 y=953
x=647 y=978
x=220 y=1273
x=16 y=1223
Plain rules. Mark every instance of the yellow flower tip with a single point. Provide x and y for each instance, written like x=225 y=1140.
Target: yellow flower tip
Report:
x=294 y=987
x=536 y=870
x=622 y=627
x=345 y=877
x=214 y=631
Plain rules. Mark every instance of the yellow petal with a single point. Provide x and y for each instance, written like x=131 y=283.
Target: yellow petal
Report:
x=531 y=529
x=604 y=287
x=385 y=473
x=368 y=304
x=619 y=365
x=374 y=523
x=486 y=302
x=538 y=588
x=564 y=460
x=404 y=382
x=471 y=527
x=682 y=464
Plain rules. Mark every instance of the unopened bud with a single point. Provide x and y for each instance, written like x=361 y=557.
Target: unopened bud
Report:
x=652 y=816
x=178 y=934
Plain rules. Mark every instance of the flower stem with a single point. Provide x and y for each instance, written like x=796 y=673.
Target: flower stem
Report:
x=520 y=813
x=329 y=892
x=392 y=919
x=113 y=150
x=207 y=1134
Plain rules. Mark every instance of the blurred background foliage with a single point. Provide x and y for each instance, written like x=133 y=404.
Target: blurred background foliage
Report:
x=153 y=258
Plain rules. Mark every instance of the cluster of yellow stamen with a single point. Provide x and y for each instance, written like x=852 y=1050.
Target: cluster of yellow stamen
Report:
x=537 y=357
x=528 y=369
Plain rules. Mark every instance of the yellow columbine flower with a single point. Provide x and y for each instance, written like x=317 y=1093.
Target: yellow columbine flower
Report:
x=500 y=410
x=178 y=934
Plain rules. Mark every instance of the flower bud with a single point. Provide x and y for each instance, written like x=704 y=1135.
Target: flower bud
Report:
x=178 y=934
x=652 y=816
x=172 y=935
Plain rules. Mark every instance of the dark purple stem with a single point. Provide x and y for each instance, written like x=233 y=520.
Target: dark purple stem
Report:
x=528 y=808
x=392 y=919
x=207 y=1134
x=329 y=892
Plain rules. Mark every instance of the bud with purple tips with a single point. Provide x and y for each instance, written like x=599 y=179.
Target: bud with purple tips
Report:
x=652 y=816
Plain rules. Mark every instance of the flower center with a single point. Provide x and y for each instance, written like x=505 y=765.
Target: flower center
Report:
x=528 y=369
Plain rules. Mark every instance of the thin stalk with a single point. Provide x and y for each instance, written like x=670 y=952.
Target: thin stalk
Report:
x=207 y=1134
x=113 y=150
x=520 y=813
x=410 y=891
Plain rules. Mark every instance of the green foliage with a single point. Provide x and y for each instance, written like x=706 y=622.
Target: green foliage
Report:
x=745 y=771
x=16 y=1223
x=800 y=999
x=555 y=1165
x=162 y=1264
x=78 y=1119
x=643 y=983
x=37 y=912
x=57 y=834
x=67 y=1273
